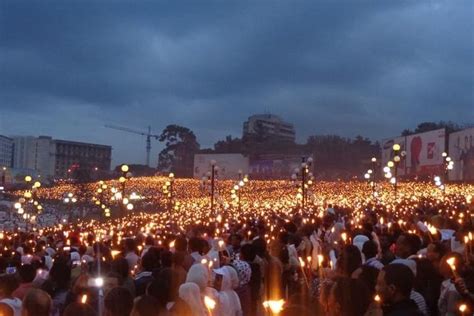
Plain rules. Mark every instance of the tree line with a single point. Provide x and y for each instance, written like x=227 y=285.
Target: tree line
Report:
x=334 y=156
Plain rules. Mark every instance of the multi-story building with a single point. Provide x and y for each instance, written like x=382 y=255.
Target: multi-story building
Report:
x=6 y=152
x=71 y=155
x=268 y=126
x=58 y=158
x=34 y=153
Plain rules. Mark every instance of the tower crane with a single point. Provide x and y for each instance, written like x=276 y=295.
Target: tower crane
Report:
x=148 y=135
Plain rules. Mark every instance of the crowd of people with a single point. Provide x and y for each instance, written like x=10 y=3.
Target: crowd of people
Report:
x=348 y=252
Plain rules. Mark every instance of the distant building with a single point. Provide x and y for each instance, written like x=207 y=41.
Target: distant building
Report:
x=70 y=155
x=6 y=152
x=53 y=158
x=34 y=153
x=268 y=126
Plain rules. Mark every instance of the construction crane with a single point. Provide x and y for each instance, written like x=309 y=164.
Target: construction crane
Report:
x=148 y=135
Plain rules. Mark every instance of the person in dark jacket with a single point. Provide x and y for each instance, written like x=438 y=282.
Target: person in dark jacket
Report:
x=145 y=276
x=394 y=285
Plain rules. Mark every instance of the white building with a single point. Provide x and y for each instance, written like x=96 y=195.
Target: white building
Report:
x=53 y=158
x=268 y=125
x=35 y=153
x=6 y=152
x=228 y=165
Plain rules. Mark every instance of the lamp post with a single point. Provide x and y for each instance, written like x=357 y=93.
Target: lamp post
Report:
x=374 y=167
x=397 y=158
x=29 y=197
x=104 y=210
x=209 y=182
x=212 y=177
x=374 y=175
x=70 y=200
x=306 y=179
x=168 y=191
x=123 y=179
x=369 y=176
x=448 y=165
x=236 y=192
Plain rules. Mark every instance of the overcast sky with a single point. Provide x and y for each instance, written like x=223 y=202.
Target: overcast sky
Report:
x=329 y=67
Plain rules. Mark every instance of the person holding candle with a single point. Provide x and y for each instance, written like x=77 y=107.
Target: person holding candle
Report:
x=394 y=286
x=452 y=264
x=225 y=281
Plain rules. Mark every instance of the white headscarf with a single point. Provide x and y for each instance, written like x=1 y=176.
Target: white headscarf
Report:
x=229 y=300
x=190 y=293
x=199 y=275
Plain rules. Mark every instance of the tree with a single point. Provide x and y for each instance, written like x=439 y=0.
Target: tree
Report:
x=178 y=154
x=339 y=157
x=431 y=126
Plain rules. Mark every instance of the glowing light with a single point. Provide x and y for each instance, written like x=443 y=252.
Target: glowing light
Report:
x=99 y=282
x=209 y=302
x=275 y=306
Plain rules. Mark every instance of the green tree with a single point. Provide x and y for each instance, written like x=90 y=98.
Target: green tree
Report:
x=178 y=155
x=431 y=126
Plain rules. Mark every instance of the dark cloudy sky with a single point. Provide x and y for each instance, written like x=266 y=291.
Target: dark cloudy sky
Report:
x=340 y=67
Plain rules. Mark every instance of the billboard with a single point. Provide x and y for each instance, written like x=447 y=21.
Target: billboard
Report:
x=461 y=150
x=229 y=165
x=388 y=154
x=424 y=154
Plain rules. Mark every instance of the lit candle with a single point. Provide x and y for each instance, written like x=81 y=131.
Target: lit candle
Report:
x=451 y=262
x=302 y=265
x=344 y=237
x=377 y=298
x=210 y=304
x=275 y=306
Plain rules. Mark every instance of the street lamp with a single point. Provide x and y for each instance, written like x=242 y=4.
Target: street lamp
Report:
x=306 y=179
x=126 y=175
x=370 y=177
x=29 y=197
x=448 y=165
x=374 y=167
x=212 y=178
x=104 y=210
x=236 y=192
x=397 y=158
x=168 y=191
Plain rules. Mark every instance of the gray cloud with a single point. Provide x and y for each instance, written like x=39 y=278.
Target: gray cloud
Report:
x=345 y=67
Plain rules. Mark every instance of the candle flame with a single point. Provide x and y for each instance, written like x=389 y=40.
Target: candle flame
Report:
x=451 y=261
x=275 y=306
x=209 y=302
x=301 y=262
x=344 y=237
